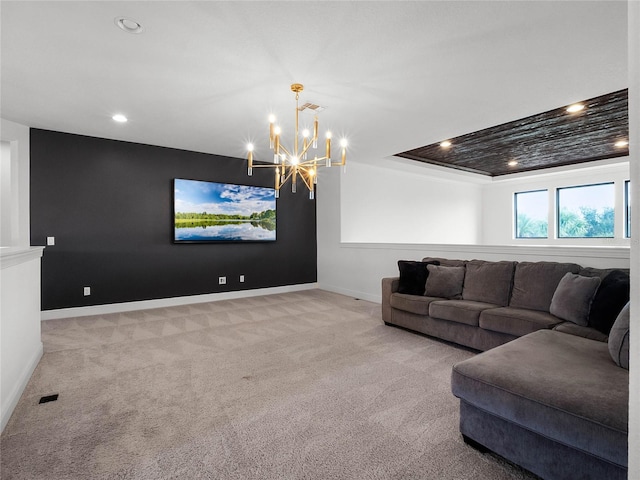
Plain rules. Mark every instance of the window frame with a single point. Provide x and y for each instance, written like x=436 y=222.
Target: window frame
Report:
x=627 y=209
x=515 y=214
x=557 y=209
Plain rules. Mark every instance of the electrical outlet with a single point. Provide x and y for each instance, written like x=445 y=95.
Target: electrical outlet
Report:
x=51 y=241
x=87 y=291
x=222 y=280
x=241 y=278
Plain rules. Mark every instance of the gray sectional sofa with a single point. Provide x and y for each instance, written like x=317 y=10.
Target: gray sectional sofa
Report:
x=548 y=392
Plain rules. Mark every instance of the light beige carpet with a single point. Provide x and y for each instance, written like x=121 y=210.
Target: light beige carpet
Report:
x=300 y=385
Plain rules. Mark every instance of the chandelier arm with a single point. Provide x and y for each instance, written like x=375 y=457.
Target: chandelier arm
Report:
x=263 y=165
x=314 y=162
x=304 y=179
x=284 y=149
x=304 y=150
x=285 y=178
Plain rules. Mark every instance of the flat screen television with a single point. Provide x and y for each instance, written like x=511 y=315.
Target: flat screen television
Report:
x=206 y=212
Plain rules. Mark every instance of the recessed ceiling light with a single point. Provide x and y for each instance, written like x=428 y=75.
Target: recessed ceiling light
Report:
x=445 y=144
x=128 y=25
x=512 y=163
x=118 y=117
x=576 y=107
x=621 y=143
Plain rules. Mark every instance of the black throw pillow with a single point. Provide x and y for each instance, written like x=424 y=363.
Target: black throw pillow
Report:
x=611 y=297
x=413 y=276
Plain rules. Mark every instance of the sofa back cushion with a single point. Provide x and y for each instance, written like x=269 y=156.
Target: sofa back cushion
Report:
x=619 y=339
x=534 y=283
x=444 y=282
x=611 y=296
x=488 y=282
x=447 y=262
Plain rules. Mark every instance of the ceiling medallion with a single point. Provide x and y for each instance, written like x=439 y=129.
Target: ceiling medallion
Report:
x=291 y=164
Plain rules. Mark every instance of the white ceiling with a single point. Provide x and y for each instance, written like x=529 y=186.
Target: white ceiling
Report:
x=393 y=75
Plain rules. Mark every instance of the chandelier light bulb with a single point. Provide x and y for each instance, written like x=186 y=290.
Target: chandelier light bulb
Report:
x=250 y=159
x=277 y=130
x=272 y=118
x=294 y=160
x=328 y=135
x=306 y=133
x=344 y=143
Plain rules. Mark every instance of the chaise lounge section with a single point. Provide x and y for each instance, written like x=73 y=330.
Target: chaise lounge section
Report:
x=553 y=403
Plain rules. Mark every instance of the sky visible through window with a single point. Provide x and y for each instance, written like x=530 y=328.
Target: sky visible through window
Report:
x=534 y=204
x=598 y=197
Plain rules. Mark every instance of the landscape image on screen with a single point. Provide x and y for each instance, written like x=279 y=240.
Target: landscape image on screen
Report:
x=211 y=212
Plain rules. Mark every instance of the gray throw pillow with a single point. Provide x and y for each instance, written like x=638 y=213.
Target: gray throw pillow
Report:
x=444 y=282
x=572 y=298
x=619 y=339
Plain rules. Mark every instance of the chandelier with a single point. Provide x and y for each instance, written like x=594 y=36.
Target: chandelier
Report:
x=297 y=162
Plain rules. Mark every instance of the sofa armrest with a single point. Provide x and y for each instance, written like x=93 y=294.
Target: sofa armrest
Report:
x=389 y=286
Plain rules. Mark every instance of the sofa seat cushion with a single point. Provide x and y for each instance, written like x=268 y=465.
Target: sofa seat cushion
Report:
x=563 y=387
x=586 y=332
x=516 y=321
x=412 y=303
x=460 y=311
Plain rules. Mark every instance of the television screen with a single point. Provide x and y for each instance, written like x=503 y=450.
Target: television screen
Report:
x=222 y=212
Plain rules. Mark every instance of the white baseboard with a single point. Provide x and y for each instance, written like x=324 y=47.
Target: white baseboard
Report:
x=169 y=302
x=352 y=293
x=13 y=397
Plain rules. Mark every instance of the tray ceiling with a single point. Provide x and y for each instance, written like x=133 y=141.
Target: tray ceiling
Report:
x=550 y=139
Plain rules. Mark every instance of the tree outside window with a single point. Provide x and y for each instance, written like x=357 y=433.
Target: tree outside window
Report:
x=586 y=211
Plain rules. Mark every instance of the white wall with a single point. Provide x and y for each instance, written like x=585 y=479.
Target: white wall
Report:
x=5 y=194
x=356 y=268
x=20 y=343
x=18 y=137
x=402 y=203
x=634 y=149
x=497 y=202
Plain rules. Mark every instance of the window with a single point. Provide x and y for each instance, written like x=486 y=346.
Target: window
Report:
x=627 y=208
x=532 y=213
x=586 y=211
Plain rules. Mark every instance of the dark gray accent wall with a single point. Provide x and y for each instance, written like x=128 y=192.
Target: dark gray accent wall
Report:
x=109 y=205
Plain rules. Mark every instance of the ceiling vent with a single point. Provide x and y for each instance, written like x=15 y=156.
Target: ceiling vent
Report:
x=311 y=106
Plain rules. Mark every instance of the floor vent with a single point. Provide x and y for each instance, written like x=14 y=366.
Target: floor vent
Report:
x=49 y=398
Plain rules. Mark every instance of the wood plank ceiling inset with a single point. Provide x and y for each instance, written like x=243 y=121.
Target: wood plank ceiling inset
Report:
x=545 y=140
